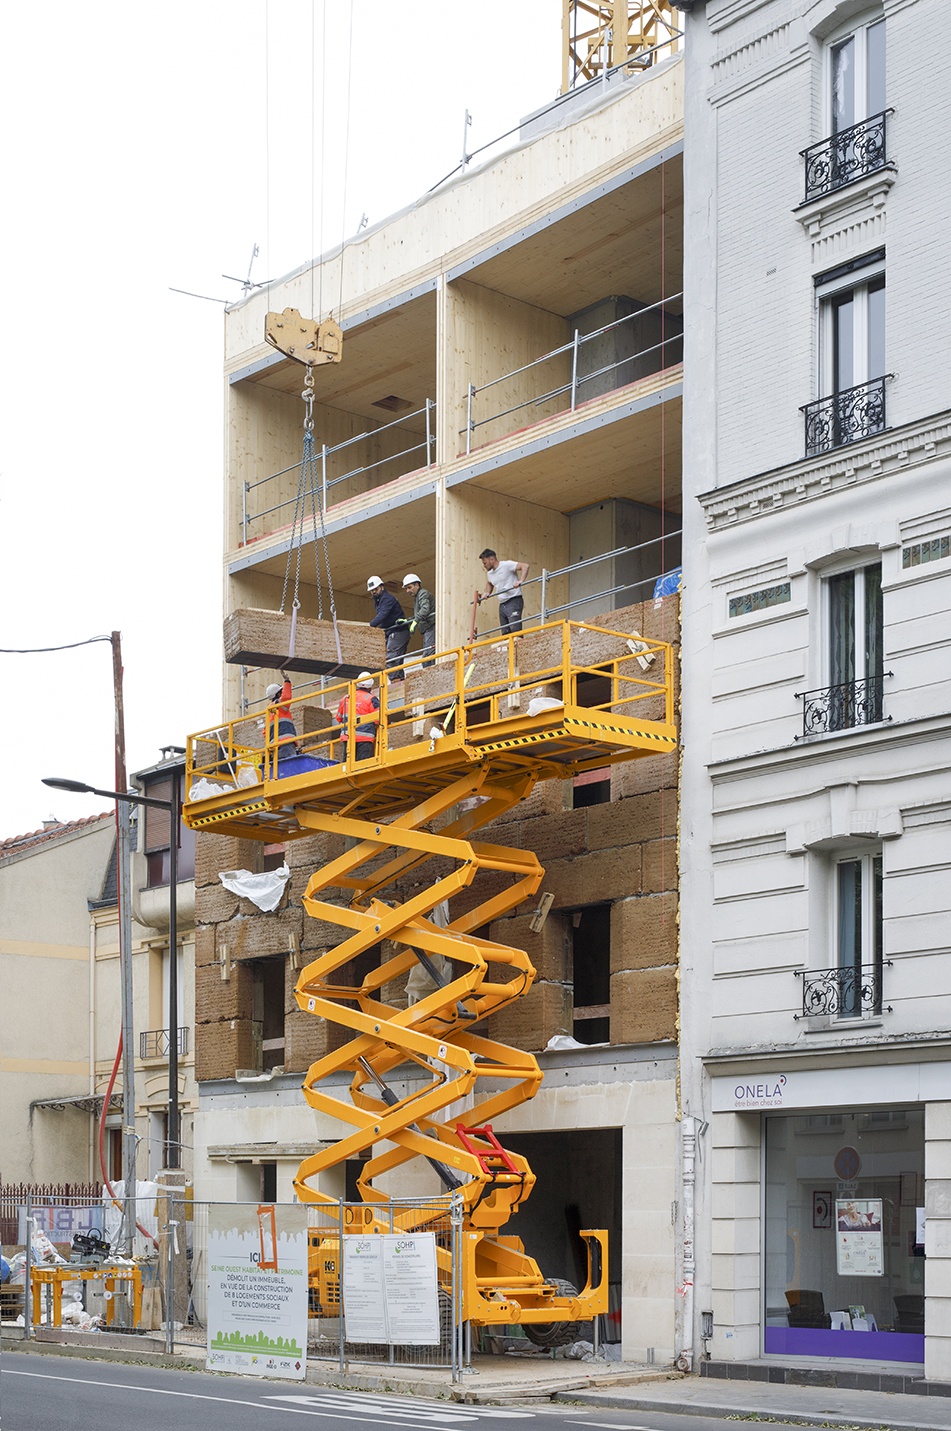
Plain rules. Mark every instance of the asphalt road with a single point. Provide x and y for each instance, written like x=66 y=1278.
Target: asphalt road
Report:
x=45 y=1393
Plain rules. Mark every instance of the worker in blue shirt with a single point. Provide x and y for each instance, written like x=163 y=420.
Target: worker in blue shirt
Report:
x=391 y=619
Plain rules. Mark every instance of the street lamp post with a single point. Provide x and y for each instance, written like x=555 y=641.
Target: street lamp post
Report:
x=174 y=807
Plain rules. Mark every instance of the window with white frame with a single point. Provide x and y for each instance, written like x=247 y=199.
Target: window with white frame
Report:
x=852 y=328
x=850 y=306
x=853 y=618
x=858 y=935
x=853 y=109
x=855 y=633
x=856 y=74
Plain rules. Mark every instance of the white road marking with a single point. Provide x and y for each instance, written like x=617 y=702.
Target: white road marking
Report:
x=396 y=1410
x=222 y=1400
x=612 y=1425
x=412 y=1403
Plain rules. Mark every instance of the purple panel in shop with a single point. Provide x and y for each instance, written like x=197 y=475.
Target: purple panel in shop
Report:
x=864 y=1346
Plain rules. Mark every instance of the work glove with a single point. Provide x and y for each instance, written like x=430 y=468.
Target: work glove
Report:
x=412 y=627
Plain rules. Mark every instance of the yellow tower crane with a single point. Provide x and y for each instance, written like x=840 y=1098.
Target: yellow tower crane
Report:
x=456 y=746
x=599 y=35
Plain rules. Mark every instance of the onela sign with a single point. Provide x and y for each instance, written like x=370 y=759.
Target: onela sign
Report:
x=761 y=1093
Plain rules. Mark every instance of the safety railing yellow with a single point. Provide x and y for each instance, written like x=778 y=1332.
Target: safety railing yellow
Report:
x=460 y=694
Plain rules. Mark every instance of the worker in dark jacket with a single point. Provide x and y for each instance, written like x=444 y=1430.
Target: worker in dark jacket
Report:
x=423 y=619
x=391 y=619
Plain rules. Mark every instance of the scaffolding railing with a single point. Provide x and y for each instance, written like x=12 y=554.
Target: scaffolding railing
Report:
x=427 y=444
x=576 y=380
x=475 y=688
x=548 y=576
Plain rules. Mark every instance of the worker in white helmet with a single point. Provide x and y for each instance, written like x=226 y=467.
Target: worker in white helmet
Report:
x=367 y=711
x=424 y=613
x=279 y=724
x=391 y=619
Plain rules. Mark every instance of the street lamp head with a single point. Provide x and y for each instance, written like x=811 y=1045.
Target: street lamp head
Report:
x=76 y=786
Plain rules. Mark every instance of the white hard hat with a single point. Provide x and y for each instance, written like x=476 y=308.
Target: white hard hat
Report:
x=273 y=692
x=365 y=680
x=373 y=582
x=410 y=578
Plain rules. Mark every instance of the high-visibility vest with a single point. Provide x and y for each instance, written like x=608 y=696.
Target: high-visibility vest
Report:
x=366 y=706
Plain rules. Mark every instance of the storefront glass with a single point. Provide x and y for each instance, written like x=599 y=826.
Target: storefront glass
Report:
x=844 y=1235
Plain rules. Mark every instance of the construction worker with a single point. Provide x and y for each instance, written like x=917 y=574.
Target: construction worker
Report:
x=367 y=711
x=286 y=731
x=391 y=619
x=424 y=613
x=504 y=581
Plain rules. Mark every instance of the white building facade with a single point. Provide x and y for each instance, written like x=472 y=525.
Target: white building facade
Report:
x=816 y=818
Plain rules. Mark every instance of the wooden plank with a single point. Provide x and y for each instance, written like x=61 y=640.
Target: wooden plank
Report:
x=262 y=638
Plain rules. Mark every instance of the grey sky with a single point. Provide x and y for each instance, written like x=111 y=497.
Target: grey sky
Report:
x=149 y=147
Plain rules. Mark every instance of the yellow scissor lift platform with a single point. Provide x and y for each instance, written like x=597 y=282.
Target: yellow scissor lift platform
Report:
x=461 y=741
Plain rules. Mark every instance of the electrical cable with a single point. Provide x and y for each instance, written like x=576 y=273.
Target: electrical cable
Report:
x=40 y=650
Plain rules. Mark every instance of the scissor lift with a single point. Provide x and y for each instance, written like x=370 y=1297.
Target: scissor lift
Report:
x=463 y=741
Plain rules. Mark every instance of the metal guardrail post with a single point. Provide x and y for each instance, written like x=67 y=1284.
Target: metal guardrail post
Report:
x=323 y=478
x=244 y=514
x=574 y=371
x=28 y=1271
x=470 y=394
x=340 y=1297
x=429 y=436
x=170 y=1238
x=544 y=618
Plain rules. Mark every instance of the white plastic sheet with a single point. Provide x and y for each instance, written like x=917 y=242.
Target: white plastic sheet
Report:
x=543 y=703
x=265 y=890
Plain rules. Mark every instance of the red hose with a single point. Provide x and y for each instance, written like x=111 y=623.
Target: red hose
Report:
x=102 y=1134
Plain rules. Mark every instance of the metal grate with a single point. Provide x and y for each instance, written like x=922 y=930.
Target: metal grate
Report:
x=848 y=155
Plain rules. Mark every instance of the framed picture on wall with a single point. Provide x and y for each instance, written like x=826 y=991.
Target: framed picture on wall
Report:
x=822 y=1210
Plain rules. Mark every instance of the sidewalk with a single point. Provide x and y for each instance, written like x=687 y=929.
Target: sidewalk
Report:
x=811 y=1405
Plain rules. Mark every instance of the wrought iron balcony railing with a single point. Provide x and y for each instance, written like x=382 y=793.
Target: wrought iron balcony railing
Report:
x=846 y=416
x=844 y=706
x=155 y=1043
x=846 y=156
x=854 y=992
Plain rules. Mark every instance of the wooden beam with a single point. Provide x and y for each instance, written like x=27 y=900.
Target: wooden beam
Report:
x=262 y=638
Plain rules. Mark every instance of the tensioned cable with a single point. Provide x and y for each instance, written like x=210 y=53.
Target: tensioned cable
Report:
x=323 y=153
x=346 y=161
x=39 y=650
x=267 y=143
x=313 y=157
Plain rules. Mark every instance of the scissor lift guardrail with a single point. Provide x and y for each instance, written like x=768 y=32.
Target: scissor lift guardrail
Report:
x=470 y=736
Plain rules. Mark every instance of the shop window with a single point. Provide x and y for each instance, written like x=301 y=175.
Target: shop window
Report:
x=844 y=1268
x=591 y=973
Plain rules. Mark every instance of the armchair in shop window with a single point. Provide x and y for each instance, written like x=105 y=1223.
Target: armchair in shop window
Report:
x=806 y=1309
x=910 y=1313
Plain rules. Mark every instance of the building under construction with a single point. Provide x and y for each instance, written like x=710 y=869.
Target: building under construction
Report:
x=510 y=380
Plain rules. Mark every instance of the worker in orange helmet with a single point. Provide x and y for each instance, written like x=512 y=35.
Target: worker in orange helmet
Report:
x=367 y=711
